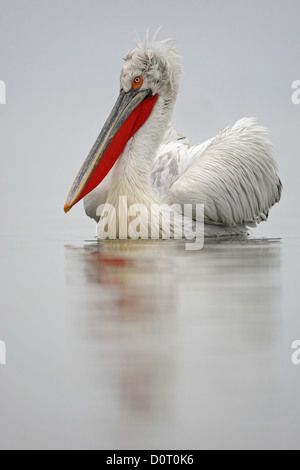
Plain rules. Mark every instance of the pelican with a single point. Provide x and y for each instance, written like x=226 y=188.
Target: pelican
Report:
x=141 y=159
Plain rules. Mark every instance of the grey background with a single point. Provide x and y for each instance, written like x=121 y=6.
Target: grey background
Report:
x=61 y=62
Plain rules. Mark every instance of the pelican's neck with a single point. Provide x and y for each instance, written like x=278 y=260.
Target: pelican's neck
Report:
x=131 y=175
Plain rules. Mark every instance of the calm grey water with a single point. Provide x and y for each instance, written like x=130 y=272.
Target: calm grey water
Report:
x=144 y=345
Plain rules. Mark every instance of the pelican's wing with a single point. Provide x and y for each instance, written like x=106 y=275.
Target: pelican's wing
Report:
x=171 y=161
x=234 y=175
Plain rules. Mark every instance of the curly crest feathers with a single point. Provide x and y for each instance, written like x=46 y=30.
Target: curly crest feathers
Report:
x=158 y=60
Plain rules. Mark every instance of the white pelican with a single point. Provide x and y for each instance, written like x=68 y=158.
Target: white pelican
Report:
x=139 y=155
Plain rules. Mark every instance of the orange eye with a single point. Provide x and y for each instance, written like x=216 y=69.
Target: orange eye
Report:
x=137 y=83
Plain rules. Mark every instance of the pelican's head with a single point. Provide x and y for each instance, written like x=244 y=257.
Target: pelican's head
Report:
x=158 y=65
x=149 y=78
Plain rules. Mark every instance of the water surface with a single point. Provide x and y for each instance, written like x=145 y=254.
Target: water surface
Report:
x=140 y=344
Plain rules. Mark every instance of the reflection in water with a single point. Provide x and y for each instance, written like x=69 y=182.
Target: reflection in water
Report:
x=130 y=305
x=175 y=329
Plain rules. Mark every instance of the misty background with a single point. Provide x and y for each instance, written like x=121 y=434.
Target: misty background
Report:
x=61 y=62
x=155 y=348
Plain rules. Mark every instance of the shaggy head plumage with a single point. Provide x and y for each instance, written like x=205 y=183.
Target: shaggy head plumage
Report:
x=159 y=65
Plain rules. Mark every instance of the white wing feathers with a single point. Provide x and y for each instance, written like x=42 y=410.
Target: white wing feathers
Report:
x=170 y=163
x=234 y=174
